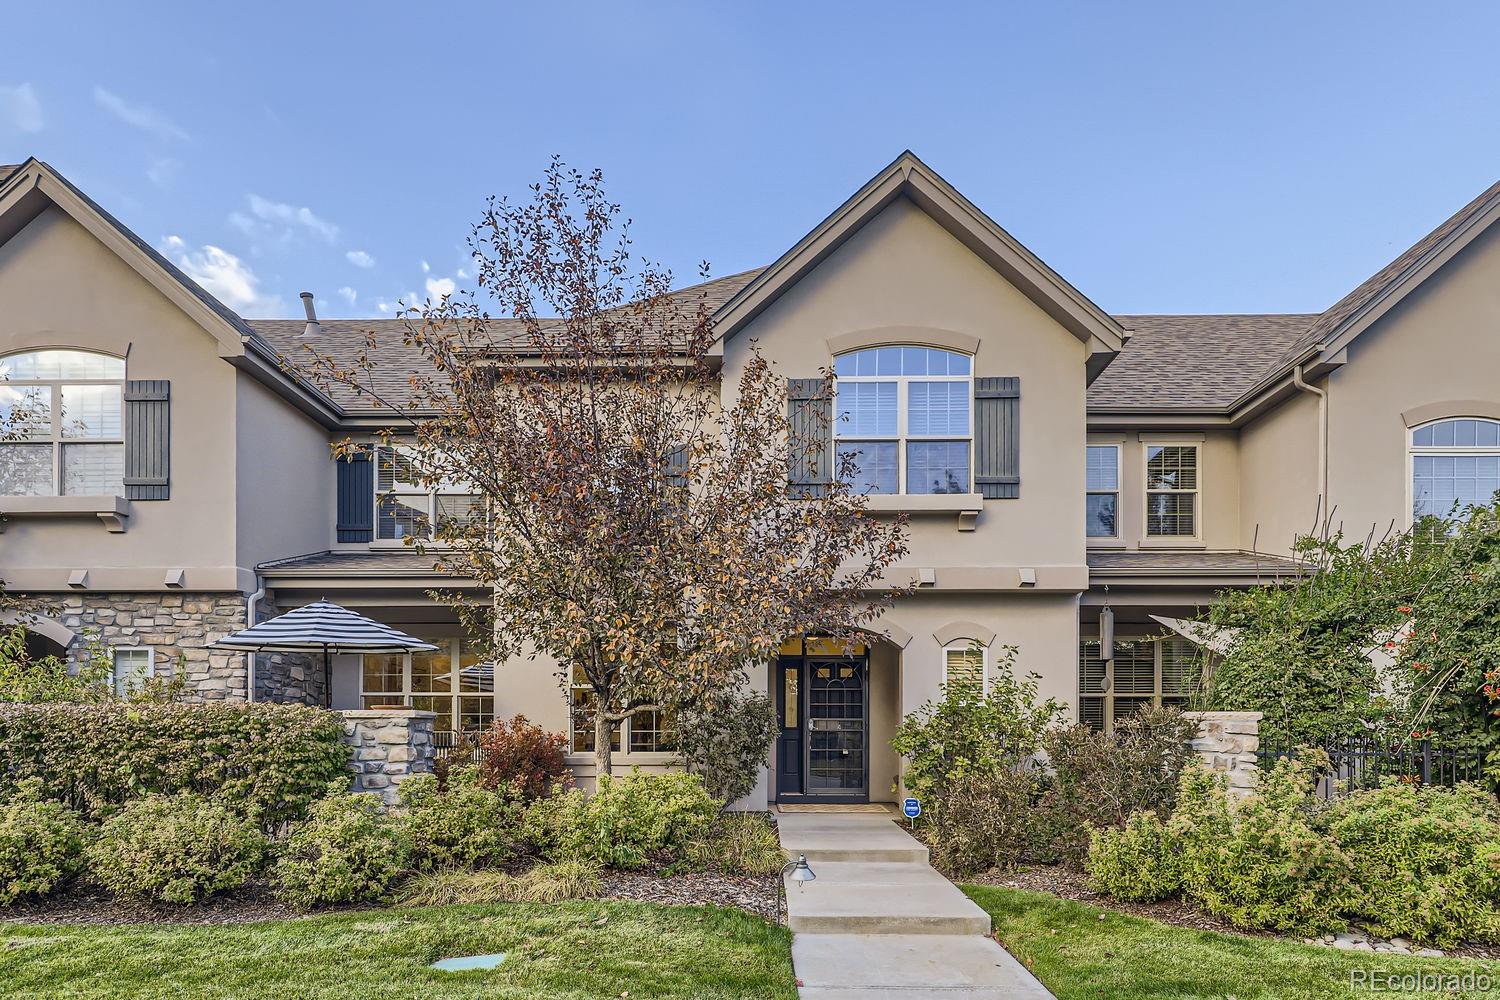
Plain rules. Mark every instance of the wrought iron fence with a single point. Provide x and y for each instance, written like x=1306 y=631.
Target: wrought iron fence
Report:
x=1366 y=761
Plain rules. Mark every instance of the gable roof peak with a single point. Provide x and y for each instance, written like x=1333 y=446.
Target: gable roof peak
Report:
x=909 y=177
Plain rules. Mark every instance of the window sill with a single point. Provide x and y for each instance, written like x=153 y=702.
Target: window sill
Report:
x=112 y=511
x=1164 y=542
x=1107 y=543
x=966 y=506
x=618 y=757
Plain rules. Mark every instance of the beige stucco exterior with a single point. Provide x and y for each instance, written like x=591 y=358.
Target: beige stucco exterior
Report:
x=906 y=262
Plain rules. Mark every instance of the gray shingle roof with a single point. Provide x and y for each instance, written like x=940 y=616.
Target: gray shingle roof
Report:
x=1193 y=362
x=1190 y=563
x=344 y=340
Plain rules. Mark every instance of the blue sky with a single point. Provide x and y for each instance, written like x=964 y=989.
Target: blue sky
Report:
x=1185 y=157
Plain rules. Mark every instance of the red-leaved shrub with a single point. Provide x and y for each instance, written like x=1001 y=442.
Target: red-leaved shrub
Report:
x=523 y=757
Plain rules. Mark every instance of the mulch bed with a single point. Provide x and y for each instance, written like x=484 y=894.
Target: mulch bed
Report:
x=1068 y=884
x=756 y=894
x=92 y=906
x=759 y=894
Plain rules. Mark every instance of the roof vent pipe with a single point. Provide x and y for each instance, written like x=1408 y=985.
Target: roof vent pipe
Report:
x=314 y=328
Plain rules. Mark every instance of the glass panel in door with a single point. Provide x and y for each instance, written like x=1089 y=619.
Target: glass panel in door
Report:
x=836 y=727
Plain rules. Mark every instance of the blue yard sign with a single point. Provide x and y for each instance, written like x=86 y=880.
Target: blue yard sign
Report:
x=912 y=808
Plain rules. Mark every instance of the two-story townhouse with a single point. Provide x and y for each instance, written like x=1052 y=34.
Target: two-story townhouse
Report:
x=1054 y=461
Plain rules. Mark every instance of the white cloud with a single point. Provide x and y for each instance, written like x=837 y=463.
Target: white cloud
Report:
x=140 y=116
x=279 y=213
x=349 y=294
x=224 y=276
x=360 y=259
x=426 y=267
x=439 y=288
x=20 y=108
x=163 y=171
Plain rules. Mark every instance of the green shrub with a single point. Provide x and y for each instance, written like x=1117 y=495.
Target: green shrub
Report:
x=1425 y=861
x=523 y=758
x=552 y=883
x=969 y=732
x=175 y=849
x=345 y=852
x=1137 y=862
x=41 y=844
x=736 y=843
x=269 y=762
x=981 y=820
x=725 y=740
x=466 y=826
x=625 y=822
x=1259 y=862
x=1098 y=781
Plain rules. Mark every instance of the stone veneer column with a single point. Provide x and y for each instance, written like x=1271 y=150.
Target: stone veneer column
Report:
x=1227 y=742
x=389 y=746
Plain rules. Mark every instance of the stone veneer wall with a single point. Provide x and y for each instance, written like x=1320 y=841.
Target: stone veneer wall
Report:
x=1227 y=742
x=179 y=626
x=390 y=746
x=289 y=677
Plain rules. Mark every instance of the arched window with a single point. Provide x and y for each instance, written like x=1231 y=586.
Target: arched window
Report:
x=905 y=414
x=60 y=432
x=1454 y=464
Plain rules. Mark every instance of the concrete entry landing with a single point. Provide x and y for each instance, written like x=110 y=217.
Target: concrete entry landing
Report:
x=879 y=921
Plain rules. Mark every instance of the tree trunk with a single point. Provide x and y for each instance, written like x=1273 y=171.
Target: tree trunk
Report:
x=602 y=727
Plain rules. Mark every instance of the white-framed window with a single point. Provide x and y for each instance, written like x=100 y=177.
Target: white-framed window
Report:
x=451 y=681
x=1172 y=487
x=405 y=509
x=966 y=662
x=1148 y=670
x=61 y=432
x=906 y=414
x=1102 y=483
x=643 y=732
x=133 y=666
x=1455 y=464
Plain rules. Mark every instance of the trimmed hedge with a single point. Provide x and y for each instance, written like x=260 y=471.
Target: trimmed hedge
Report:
x=268 y=762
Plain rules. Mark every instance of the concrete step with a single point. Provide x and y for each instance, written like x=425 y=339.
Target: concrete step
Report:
x=920 y=967
x=848 y=838
x=881 y=898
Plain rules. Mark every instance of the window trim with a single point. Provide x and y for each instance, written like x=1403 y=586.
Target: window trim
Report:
x=54 y=435
x=578 y=757
x=1106 y=698
x=1413 y=450
x=1117 y=492
x=455 y=693
x=902 y=438
x=401 y=489
x=1147 y=538
x=114 y=665
x=967 y=645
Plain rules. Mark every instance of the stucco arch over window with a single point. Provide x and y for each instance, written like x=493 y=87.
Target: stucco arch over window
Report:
x=52 y=631
x=1455 y=464
x=960 y=630
x=966 y=653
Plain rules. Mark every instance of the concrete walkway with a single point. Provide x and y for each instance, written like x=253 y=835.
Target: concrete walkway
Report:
x=880 y=922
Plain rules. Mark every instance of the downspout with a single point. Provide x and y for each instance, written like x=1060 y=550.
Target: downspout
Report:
x=251 y=604
x=1297 y=380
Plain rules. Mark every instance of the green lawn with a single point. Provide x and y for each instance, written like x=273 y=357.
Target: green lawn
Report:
x=1123 y=957
x=566 y=950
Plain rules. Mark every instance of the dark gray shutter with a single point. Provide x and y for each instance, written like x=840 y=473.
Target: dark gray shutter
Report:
x=677 y=465
x=809 y=413
x=148 y=439
x=356 y=499
x=997 y=437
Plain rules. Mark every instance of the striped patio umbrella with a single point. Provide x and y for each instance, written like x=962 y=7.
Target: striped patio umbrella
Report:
x=322 y=627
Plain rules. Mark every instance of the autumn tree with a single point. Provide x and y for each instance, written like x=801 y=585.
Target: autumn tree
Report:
x=634 y=521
